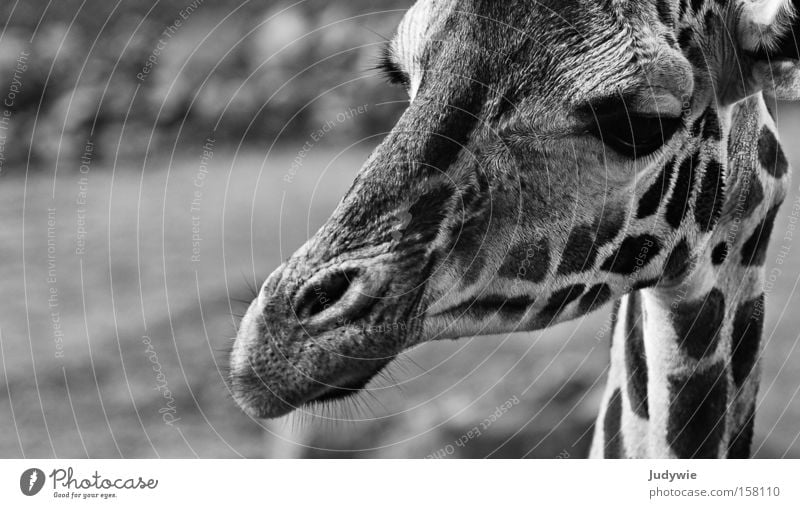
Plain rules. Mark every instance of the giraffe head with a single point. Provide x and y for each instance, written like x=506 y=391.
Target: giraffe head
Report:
x=554 y=155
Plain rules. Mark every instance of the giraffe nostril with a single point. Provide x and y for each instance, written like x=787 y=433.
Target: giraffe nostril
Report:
x=323 y=293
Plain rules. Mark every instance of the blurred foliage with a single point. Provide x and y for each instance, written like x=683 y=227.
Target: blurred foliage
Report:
x=251 y=72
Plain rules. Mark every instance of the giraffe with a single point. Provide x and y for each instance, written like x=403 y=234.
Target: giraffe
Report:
x=556 y=156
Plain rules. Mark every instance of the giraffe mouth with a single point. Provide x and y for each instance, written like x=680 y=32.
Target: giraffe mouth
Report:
x=265 y=387
x=344 y=390
x=284 y=359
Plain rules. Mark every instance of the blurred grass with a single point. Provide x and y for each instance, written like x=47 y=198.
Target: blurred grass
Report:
x=136 y=279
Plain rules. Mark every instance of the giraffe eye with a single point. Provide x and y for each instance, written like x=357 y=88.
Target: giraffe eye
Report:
x=391 y=70
x=634 y=135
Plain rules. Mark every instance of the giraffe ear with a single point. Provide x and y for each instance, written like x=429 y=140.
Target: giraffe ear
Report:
x=769 y=35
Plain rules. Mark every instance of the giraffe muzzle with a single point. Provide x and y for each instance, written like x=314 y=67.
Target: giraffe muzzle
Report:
x=318 y=338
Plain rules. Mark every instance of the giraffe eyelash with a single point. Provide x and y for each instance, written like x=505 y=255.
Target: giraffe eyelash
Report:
x=628 y=132
x=391 y=70
x=635 y=135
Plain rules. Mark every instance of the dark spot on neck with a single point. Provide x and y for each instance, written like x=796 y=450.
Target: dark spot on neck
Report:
x=635 y=357
x=708 y=206
x=597 y=296
x=612 y=427
x=719 y=254
x=754 y=251
x=560 y=300
x=685 y=38
x=748 y=325
x=697 y=402
x=682 y=193
x=771 y=155
x=678 y=262
x=698 y=324
x=584 y=242
x=652 y=199
x=483 y=307
x=580 y=251
x=635 y=253
x=712 y=129
x=754 y=196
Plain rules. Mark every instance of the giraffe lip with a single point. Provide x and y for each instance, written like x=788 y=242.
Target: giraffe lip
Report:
x=259 y=405
x=350 y=388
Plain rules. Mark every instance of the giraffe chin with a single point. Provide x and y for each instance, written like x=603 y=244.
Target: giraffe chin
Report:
x=257 y=400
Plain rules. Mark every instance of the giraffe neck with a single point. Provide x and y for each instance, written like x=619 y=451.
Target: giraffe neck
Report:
x=682 y=386
x=684 y=375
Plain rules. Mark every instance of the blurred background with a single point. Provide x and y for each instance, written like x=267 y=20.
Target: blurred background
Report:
x=159 y=158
